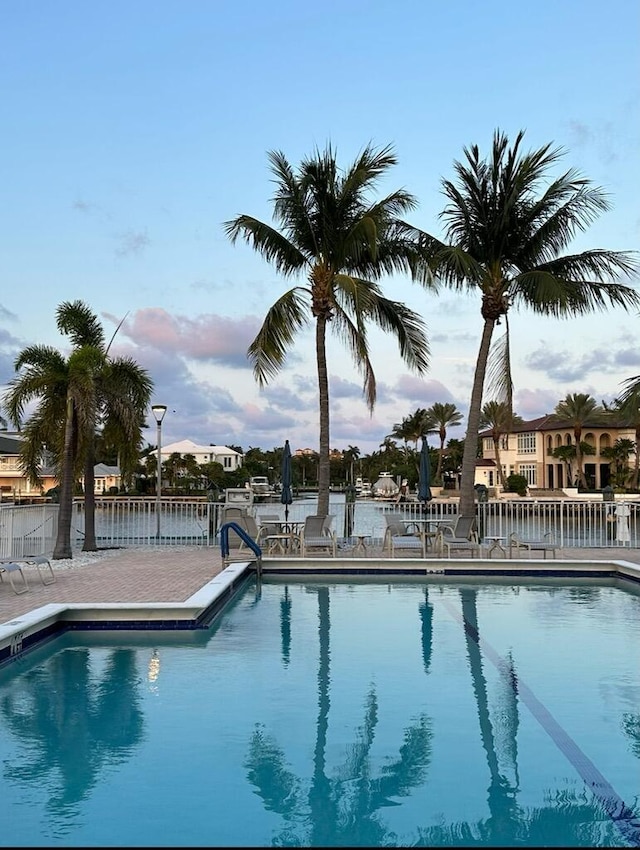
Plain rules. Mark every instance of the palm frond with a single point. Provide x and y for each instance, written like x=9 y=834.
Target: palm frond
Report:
x=268 y=242
x=499 y=376
x=284 y=319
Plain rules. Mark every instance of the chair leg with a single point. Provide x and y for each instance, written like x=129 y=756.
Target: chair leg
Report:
x=10 y=569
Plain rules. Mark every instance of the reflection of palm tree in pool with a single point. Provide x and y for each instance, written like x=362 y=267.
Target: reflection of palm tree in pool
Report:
x=426 y=630
x=631 y=728
x=502 y=800
x=567 y=820
x=341 y=810
x=74 y=724
x=285 y=625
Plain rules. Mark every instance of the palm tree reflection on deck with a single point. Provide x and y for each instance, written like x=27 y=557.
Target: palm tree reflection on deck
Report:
x=342 y=810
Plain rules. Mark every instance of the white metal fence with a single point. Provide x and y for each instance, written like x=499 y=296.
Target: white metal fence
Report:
x=122 y=522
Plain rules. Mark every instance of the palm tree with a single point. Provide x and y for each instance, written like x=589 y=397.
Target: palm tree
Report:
x=498 y=416
x=578 y=410
x=122 y=392
x=65 y=394
x=628 y=406
x=619 y=454
x=344 y=243
x=72 y=396
x=440 y=417
x=506 y=226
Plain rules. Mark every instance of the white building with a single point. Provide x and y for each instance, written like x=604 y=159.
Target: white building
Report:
x=229 y=459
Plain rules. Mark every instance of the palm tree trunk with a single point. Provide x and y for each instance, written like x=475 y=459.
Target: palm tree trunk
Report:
x=582 y=481
x=62 y=548
x=467 y=495
x=89 y=544
x=440 y=456
x=499 y=472
x=636 y=466
x=324 y=469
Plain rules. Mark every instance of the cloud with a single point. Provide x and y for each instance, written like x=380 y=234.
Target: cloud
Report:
x=205 y=338
x=530 y=404
x=132 y=242
x=565 y=367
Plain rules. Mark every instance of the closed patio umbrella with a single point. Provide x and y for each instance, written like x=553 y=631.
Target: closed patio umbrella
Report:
x=424 y=482
x=286 y=496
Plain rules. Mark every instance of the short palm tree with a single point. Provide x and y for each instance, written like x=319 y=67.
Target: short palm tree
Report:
x=439 y=417
x=507 y=224
x=628 y=406
x=74 y=396
x=344 y=241
x=499 y=418
x=579 y=410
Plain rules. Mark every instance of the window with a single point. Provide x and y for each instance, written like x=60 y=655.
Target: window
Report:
x=529 y=472
x=527 y=443
x=488 y=444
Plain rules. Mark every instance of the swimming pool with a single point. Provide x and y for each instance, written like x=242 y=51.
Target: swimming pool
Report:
x=338 y=713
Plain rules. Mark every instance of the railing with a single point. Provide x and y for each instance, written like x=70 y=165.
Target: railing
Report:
x=27 y=530
x=122 y=522
x=244 y=536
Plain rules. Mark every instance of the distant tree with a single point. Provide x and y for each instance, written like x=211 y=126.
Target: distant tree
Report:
x=579 y=410
x=438 y=418
x=499 y=418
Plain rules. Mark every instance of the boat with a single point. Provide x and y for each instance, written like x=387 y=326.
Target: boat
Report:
x=363 y=488
x=385 y=487
x=260 y=487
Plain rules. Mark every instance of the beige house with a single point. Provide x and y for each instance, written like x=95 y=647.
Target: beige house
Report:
x=13 y=482
x=527 y=449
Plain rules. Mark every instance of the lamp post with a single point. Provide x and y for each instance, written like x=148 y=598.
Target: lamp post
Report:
x=158 y=411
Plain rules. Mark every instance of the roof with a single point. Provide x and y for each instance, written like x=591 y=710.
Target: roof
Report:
x=185 y=447
x=552 y=422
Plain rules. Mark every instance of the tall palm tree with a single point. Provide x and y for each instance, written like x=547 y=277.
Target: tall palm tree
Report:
x=344 y=242
x=507 y=223
x=498 y=416
x=578 y=410
x=441 y=416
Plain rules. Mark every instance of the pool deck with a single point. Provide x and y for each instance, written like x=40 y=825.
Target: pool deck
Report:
x=172 y=586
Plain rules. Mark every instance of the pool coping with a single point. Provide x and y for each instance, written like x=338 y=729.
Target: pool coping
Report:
x=26 y=631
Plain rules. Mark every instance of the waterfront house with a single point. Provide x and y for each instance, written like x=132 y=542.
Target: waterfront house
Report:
x=229 y=459
x=527 y=450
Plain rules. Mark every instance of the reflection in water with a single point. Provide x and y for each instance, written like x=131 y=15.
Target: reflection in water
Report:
x=569 y=819
x=631 y=728
x=342 y=810
x=285 y=626
x=426 y=620
x=72 y=724
x=346 y=807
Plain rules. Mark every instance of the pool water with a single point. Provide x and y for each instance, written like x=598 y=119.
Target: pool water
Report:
x=337 y=714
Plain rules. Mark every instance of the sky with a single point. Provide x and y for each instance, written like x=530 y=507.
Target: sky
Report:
x=131 y=131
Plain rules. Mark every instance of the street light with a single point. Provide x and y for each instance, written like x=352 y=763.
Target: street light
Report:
x=158 y=411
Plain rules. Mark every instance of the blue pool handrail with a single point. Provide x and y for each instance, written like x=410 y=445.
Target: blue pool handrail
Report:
x=243 y=535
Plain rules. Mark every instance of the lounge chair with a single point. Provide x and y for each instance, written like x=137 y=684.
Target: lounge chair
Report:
x=546 y=544
x=317 y=536
x=398 y=536
x=462 y=536
x=40 y=562
x=11 y=568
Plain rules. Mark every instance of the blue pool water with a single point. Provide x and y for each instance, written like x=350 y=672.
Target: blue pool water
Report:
x=337 y=714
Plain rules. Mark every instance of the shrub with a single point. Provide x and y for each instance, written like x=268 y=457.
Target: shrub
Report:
x=517 y=484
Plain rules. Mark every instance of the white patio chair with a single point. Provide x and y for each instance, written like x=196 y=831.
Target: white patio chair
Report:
x=317 y=535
